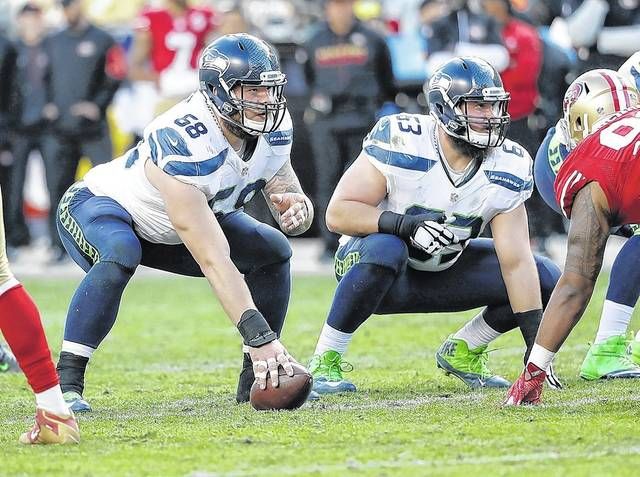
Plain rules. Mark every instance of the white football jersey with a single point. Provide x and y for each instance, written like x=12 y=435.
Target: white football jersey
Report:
x=187 y=143
x=405 y=149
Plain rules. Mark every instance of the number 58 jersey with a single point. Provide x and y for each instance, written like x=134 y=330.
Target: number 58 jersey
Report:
x=187 y=144
x=405 y=149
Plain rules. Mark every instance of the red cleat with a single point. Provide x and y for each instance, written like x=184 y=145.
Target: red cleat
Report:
x=52 y=429
x=528 y=387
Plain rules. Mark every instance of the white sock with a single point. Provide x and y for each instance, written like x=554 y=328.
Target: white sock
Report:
x=78 y=349
x=51 y=400
x=614 y=320
x=541 y=357
x=332 y=339
x=477 y=332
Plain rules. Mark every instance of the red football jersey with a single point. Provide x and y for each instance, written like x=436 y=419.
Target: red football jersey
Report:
x=611 y=157
x=176 y=41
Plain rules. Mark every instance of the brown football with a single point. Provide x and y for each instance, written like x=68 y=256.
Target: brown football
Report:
x=291 y=393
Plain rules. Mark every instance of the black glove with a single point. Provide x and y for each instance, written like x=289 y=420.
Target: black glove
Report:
x=403 y=225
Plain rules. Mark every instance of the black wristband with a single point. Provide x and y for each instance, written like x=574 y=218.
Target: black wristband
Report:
x=255 y=330
x=389 y=223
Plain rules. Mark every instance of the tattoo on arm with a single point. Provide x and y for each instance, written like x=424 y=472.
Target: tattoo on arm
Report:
x=588 y=235
x=284 y=181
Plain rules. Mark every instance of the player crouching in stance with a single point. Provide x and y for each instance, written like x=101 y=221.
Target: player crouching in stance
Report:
x=595 y=94
x=412 y=206
x=597 y=189
x=21 y=326
x=174 y=202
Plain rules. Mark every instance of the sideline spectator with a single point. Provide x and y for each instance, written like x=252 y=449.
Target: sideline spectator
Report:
x=348 y=70
x=28 y=99
x=86 y=67
x=7 y=67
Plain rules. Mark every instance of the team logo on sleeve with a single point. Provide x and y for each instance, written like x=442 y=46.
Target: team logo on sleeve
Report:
x=214 y=60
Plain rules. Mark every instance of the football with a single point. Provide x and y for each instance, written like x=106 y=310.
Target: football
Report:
x=291 y=393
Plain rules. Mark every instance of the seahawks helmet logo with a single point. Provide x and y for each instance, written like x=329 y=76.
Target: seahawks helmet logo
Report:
x=212 y=59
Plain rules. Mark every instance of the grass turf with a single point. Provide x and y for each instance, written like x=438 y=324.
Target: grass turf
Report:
x=163 y=385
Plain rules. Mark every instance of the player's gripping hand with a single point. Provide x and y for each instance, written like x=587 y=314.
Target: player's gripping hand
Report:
x=431 y=237
x=293 y=208
x=266 y=361
x=425 y=232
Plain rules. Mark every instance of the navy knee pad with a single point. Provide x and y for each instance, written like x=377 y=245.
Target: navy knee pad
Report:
x=383 y=250
x=273 y=246
x=549 y=274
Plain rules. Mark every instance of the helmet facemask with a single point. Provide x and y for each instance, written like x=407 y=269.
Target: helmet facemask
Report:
x=479 y=129
x=245 y=113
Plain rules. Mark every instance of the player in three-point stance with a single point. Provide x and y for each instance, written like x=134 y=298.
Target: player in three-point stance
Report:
x=597 y=189
x=411 y=208
x=592 y=95
x=174 y=202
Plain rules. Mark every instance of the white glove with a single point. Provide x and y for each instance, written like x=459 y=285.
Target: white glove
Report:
x=431 y=237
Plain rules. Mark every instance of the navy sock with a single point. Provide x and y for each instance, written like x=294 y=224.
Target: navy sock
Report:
x=358 y=295
x=94 y=306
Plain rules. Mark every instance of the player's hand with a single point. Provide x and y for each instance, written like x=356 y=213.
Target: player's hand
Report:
x=50 y=112
x=431 y=237
x=528 y=387
x=266 y=361
x=292 y=208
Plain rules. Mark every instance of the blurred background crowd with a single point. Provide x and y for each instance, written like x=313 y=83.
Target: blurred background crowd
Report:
x=81 y=79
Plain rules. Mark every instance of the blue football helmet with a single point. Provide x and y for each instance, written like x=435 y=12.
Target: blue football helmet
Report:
x=228 y=67
x=461 y=88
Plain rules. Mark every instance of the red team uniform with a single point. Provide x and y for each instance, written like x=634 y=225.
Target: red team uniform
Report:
x=611 y=157
x=176 y=38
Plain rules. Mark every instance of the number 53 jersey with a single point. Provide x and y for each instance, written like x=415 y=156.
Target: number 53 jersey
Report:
x=609 y=156
x=405 y=149
x=187 y=144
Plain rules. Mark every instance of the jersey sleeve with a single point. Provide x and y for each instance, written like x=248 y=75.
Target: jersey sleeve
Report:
x=281 y=140
x=189 y=160
x=549 y=158
x=513 y=174
x=392 y=147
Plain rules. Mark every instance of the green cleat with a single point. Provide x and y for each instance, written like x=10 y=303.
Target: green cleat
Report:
x=634 y=352
x=609 y=360
x=469 y=365
x=327 y=369
x=8 y=363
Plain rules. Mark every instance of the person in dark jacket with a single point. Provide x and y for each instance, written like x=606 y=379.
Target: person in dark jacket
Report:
x=348 y=70
x=28 y=99
x=7 y=67
x=86 y=67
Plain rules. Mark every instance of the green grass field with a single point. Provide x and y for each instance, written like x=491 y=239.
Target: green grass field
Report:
x=163 y=384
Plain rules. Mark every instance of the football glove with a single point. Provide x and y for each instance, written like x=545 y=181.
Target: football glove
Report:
x=431 y=237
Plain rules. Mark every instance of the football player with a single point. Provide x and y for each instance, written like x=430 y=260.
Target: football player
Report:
x=174 y=202
x=597 y=189
x=411 y=208
x=166 y=47
x=594 y=94
x=21 y=326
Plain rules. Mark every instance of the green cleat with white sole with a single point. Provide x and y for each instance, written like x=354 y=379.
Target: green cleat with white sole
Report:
x=468 y=365
x=327 y=369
